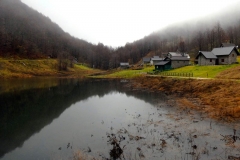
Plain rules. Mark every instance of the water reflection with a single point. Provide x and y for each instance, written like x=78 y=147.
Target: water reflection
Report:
x=26 y=111
x=104 y=119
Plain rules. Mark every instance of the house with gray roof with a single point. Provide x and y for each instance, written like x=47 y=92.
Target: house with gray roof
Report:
x=226 y=55
x=124 y=65
x=156 y=59
x=162 y=66
x=206 y=58
x=218 y=56
x=177 y=62
x=171 y=63
x=177 y=54
x=227 y=45
x=146 y=60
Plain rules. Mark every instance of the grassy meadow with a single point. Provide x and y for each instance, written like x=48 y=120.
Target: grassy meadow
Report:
x=127 y=73
x=204 y=71
x=49 y=68
x=26 y=68
x=216 y=71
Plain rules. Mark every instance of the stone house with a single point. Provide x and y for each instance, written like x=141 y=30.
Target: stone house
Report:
x=226 y=55
x=171 y=63
x=177 y=54
x=218 y=56
x=227 y=45
x=155 y=59
x=177 y=62
x=206 y=58
x=146 y=60
x=173 y=60
x=124 y=65
x=162 y=66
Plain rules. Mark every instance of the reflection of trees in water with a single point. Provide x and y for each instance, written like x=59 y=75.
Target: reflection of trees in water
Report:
x=23 y=113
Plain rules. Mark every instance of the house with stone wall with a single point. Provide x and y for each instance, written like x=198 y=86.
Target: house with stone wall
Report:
x=206 y=58
x=218 y=56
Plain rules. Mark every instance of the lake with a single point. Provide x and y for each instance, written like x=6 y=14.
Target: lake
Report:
x=107 y=119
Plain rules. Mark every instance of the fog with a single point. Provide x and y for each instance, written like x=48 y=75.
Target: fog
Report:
x=114 y=23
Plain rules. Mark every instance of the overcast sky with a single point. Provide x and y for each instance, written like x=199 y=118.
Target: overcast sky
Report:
x=116 y=22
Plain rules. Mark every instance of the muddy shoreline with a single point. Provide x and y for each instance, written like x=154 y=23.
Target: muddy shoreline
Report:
x=216 y=98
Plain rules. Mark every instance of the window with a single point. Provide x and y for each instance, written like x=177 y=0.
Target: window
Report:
x=222 y=60
x=232 y=55
x=210 y=60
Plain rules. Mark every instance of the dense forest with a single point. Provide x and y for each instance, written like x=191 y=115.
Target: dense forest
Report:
x=26 y=33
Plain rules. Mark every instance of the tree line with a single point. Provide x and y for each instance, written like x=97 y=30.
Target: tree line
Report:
x=26 y=33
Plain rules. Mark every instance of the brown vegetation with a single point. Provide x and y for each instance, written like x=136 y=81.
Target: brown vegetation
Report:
x=234 y=73
x=42 y=68
x=218 y=98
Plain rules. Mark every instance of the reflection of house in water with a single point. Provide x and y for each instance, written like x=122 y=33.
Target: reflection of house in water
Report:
x=33 y=109
x=25 y=116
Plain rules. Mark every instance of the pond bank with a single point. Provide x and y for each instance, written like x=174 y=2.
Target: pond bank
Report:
x=217 y=98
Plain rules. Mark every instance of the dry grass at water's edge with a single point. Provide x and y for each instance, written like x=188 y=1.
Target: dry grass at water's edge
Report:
x=218 y=98
x=39 y=68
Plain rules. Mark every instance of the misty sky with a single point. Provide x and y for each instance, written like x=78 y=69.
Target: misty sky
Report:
x=116 y=22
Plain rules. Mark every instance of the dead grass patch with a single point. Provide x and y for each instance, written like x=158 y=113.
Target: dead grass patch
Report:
x=40 y=68
x=233 y=73
x=220 y=97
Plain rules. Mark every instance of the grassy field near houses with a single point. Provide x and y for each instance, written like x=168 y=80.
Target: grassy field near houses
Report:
x=215 y=71
x=127 y=73
x=203 y=71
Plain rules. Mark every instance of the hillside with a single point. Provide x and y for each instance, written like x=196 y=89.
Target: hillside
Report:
x=40 y=68
x=26 y=33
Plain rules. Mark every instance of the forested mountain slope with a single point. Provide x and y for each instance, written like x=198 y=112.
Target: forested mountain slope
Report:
x=26 y=33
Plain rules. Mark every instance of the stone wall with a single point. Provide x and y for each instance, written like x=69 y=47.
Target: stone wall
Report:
x=202 y=61
x=177 y=64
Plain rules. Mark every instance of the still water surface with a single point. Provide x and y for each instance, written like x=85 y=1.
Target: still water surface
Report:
x=53 y=119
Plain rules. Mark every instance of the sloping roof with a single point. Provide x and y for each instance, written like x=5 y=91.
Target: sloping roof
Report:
x=175 y=54
x=180 y=58
x=146 y=59
x=227 y=45
x=156 y=58
x=207 y=55
x=222 y=51
x=162 y=63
